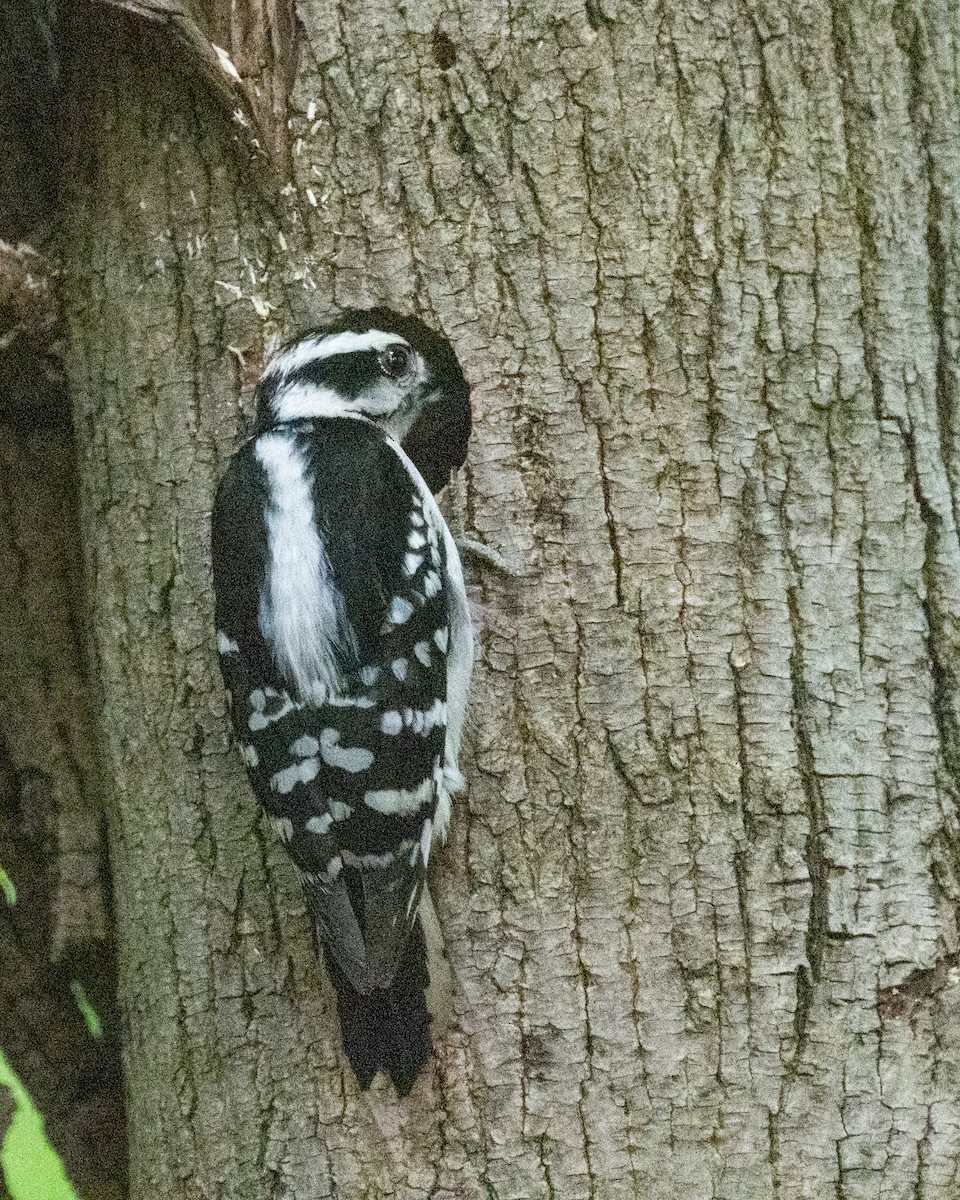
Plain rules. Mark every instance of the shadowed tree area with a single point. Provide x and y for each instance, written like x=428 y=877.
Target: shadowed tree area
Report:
x=56 y=940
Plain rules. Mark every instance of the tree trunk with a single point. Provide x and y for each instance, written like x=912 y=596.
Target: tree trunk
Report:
x=699 y=262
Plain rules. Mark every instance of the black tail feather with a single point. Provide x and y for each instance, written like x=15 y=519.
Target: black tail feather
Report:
x=389 y=1028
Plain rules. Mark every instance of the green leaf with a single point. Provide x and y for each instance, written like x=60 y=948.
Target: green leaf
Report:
x=87 y=1011
x=8 y=887
x=31 y=1167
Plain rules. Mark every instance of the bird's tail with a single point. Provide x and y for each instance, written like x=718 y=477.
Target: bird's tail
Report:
x=389 y=1029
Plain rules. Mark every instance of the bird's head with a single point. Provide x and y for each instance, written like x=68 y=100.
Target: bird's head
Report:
x=389 y=369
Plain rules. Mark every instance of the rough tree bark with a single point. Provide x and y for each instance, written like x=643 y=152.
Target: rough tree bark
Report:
x=700 y=263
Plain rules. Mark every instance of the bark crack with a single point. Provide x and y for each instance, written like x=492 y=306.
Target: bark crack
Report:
x=808 y=975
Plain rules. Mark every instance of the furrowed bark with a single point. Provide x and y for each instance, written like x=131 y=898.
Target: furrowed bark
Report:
x=701 y=897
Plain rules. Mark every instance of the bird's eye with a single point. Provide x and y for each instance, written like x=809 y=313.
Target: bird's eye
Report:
x=395 y=361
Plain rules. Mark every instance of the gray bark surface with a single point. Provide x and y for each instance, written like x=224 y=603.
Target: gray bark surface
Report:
x=700 y=263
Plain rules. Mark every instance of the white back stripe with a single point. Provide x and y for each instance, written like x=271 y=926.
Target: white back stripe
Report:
x=301 y=612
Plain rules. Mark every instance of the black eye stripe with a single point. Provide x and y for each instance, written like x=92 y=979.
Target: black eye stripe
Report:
x=346 y=374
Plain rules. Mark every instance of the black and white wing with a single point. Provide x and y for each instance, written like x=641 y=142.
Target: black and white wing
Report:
x=333 y=618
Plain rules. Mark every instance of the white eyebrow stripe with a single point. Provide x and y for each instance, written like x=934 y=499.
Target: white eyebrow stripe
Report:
x=311 y=349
